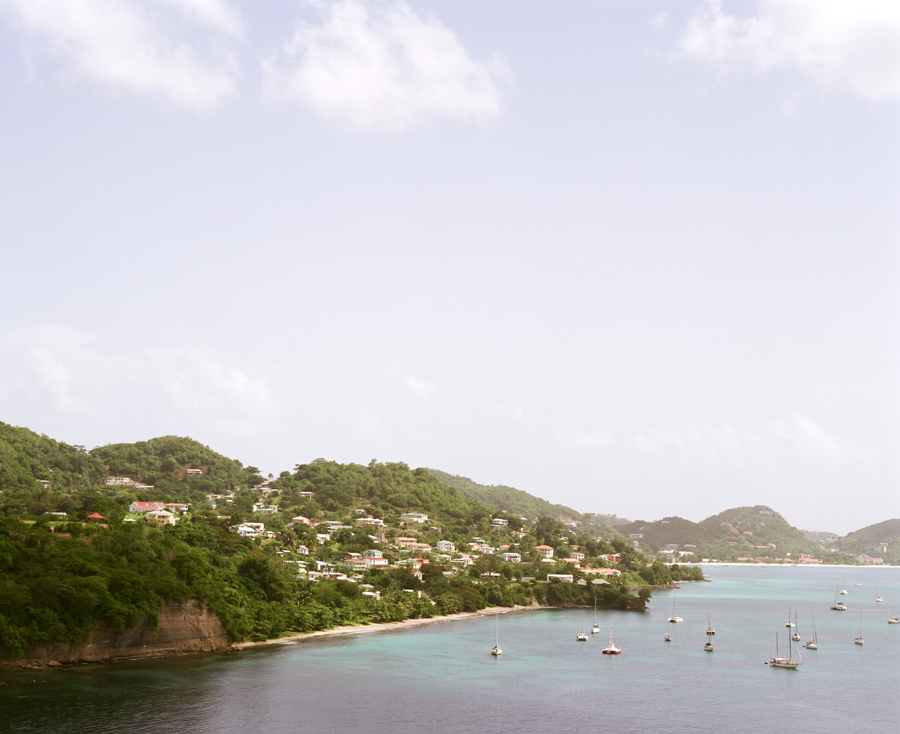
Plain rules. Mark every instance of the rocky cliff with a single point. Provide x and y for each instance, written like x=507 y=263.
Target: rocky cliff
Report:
x=183 y=628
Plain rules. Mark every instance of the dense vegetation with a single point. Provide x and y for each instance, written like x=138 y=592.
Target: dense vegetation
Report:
x=741 y=532
x=869 y=540
x=507 y=499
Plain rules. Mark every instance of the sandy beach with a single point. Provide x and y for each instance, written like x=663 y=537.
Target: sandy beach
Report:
x=386 y=626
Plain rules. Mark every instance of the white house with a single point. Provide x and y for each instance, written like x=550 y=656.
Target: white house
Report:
x=544 y=551
x=160 y=517
x=413 y=518
x=499 y=522
x=445 y=546
x=512 y=557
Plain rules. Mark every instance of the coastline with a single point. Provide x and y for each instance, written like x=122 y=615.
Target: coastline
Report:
x=385 y=626
x=797 y=565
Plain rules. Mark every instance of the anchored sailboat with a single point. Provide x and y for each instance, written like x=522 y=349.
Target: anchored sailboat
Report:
x=892 y=619
x=859 y=640
x=796 y=635
x=788 y=662
x=594 y=628
x=674 y=617
x=838 y=606
x=878 y=594
x=582 y=636
x=611 y=649
x=495 y=650
x=813 y=644
x=710 y=630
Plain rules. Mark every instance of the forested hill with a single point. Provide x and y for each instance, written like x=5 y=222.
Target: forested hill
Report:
x=508 y=499
x=163 y=462
x=27 y=457
x=870 y=540
x=741 y=532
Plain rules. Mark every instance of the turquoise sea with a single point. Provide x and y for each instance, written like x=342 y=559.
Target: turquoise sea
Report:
x=441 y=678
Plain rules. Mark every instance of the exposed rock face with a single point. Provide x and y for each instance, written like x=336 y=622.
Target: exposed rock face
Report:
x=183 y=628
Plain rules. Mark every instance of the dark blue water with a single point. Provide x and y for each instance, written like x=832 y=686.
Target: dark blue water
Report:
x=441 y=678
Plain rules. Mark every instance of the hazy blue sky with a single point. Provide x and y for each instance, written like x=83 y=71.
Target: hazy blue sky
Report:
x=634 y=257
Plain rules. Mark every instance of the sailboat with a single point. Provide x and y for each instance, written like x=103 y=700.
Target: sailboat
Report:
x=611 y=649
x=789 y=623
x=796 y=635
x=892 y=619
x=843 y=591
x=594 y=627
x=495 y=650
x=877 y=595
x=857 y=582
x=710 y=630
x=838 y=606
x=813 y=644
x=788 y=662
x=582 y=636
x=674 y=617
x=859 y=640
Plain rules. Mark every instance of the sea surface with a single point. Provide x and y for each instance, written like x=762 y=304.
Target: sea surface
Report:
x=441 y=678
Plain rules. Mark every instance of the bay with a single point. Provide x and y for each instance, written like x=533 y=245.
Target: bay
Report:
x=441 y=678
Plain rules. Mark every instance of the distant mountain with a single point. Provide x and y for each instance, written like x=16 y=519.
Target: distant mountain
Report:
x=741 y=532
x=508 y=499
x=872 y=540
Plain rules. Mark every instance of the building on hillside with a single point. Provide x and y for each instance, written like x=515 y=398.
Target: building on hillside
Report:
x=413 y=518
x=302 y=550
x=445 y=546
x=369 y=522
x=577 y=555
x=403 y=542
x=306 y=495
x=567 y=577
x=512 y=557
x=607 y=572
x=499 y=522
x=544 y=551
x=300 y=520
x=177 y=507
x=146 y=506
x=160 y=517
x=120 y=480
x=194 y=473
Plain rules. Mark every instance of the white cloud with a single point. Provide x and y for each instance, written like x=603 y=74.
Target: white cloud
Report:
x=376 y=66
x=55 y=374
x=420 y=387
x=797 y=437
x=839 y=44
x=135 y=46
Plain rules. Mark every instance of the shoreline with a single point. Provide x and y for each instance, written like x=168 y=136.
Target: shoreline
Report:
x=796 y=565
x=360 y=629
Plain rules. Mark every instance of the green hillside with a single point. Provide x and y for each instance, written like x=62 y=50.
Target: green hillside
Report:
x=162 y=462
x=869 y=540
x=507 y=499
x=26 y=457
x=741 y=532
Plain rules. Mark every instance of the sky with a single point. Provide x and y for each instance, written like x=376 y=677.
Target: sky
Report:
x=639 y=258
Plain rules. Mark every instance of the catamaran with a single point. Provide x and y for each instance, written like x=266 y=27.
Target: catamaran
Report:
x=611 y=649
x=582 y=636
x=495 y=650
x=838 y=606
x=788 y=662
x=813 y=644
x=674 y=617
